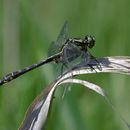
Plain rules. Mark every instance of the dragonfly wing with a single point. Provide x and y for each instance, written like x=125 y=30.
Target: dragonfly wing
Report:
x=52 y=49
x=71 y=54
x=55 y=47
x=63 y=35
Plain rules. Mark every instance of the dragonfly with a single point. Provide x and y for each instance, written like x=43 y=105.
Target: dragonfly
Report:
x=65 y=50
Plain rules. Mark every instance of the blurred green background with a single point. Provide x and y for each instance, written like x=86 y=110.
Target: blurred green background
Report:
x=26 y=31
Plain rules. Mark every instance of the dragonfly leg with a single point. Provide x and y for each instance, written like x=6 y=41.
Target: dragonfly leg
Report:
x=98 y=66
x=94 y=58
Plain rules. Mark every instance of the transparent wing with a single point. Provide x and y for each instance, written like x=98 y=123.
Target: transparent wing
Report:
x=55 y=47
x=63 y=36
x=70 y=53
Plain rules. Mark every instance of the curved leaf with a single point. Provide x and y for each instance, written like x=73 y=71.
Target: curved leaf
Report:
x=37 y=113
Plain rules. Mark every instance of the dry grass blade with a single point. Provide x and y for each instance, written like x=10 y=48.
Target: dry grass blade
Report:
x=37 y=113
x=87 y=84
x=115 y=64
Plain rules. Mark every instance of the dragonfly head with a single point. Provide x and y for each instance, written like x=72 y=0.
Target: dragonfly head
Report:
x=90 y=41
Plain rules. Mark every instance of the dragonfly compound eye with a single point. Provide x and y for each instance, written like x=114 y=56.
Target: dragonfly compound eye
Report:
x=90 y=41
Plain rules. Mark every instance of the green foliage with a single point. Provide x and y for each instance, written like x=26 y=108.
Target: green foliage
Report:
x=27 y=29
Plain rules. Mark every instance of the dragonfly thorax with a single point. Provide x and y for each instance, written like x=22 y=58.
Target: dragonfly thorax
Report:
x=87 y=42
